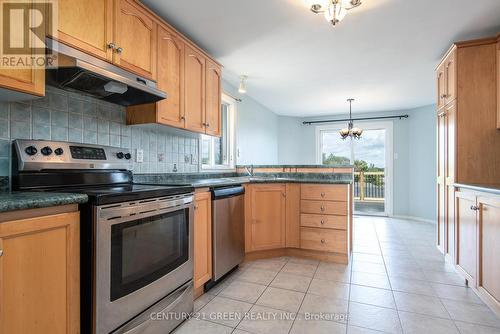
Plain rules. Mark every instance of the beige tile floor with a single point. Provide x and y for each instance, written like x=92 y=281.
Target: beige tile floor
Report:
x=397 y=282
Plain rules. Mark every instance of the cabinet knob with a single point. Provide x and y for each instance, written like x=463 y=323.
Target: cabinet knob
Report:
x=322 y=222
x=208 y=125
x=322 y=208
x=183 y=118
x=196 y=207
x=119 y=50
x=323 y=241
x=474 y=207
x=322 y=194
x=444 y=96
x=112 y=46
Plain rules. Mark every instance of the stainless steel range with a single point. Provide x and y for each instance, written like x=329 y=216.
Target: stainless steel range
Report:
x=136 y=239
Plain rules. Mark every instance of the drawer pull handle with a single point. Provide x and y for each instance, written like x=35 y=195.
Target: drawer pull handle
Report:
x=474 y=207
x=323 y=195
x=323 y=241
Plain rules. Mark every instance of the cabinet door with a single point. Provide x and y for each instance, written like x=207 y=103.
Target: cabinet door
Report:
x=39 y=275
x=135 y=36
x=29 y=80
x=441 y=180
x=202 y=239
x=171 y=78
x=292 y=215
x=87 y=25
x=489 y=247
x=441 y=86
x=466 y=231
x=498 y=84
x=450 y=70
x=268 y=216
x=194 y=96
x=450 y=134
x=213 y=97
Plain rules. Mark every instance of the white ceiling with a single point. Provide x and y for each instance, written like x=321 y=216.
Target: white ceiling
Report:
x=383 y=54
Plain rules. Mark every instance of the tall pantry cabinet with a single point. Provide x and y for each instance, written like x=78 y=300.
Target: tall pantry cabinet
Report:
x=468 y=140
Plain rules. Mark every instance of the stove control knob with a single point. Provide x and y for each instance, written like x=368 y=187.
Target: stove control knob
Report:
x=120 y=155
x=128 y=156
x=46 y=150
x=31 y=150
x=58 y=151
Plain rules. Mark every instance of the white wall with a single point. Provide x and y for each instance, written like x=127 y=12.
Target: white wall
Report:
x=256 y=131
x=414 y=146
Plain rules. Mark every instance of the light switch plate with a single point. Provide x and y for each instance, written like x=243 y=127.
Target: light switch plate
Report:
x=139 y=155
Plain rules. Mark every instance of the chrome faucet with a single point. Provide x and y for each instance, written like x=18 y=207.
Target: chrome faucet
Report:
x=249 y=170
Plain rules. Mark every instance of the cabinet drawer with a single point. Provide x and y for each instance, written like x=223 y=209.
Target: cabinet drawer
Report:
x=324 y=192
x=323 y=240
x=323 y=221
x=323 y=207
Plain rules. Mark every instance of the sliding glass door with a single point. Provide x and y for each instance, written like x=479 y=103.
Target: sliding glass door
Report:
x=371 y=156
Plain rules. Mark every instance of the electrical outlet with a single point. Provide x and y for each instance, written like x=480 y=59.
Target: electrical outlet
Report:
x=161 y=157
x=139 y=155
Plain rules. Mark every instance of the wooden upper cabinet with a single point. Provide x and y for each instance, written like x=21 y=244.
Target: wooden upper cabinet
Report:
x=466 y=232
x=202 y=239
x=194 y=94
x=135 y=39
x=267 y=216
x=29 y=80
x=87 y=25
x=441 y=86
x=450 y=77
x=171 y=78
x=39 y=275
x=213 y=99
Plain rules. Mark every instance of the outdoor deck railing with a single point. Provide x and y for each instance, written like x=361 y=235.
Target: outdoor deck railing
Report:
x=369 y=186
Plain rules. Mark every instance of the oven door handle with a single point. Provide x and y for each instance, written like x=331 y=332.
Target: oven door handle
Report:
x=139 y=323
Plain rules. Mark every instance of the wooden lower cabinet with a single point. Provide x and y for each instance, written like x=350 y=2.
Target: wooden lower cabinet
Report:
x=320 y=239
x=39 y=275
x=202 y=238
x=477 y=243
x=489 y=249
x=265 y=211
x=466 y=233
x=292 y=215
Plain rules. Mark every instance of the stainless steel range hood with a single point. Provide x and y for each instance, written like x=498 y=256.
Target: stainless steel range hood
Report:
x=80 y=72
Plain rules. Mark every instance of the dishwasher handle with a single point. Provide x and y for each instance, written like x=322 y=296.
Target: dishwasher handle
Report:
x=225 y=192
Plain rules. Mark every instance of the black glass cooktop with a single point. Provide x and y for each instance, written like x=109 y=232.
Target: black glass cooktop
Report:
x=115 y=193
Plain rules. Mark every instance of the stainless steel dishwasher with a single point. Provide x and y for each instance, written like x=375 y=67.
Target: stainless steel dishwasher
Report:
x=228 y=226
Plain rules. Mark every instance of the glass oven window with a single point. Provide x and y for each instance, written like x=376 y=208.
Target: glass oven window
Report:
x=144 y=250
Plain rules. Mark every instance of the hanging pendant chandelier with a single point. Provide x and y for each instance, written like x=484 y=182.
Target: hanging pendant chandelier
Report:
x=351 y=131
x=334 y=10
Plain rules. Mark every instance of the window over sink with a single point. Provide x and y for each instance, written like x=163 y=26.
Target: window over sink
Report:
x=218 y=152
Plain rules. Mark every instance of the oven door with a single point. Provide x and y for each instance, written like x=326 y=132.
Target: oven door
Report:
x=144 y=251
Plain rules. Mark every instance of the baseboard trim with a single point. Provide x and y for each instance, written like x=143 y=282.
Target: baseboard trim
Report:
x=417 y=219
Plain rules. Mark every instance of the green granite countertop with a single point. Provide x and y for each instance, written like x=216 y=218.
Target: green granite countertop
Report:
x=35 y=200
x=295 y=166
x=229 y=181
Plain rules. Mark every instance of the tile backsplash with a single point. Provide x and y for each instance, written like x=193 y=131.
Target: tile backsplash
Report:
x=68 y=116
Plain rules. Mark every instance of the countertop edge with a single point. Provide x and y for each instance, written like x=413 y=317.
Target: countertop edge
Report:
x=477 y=187
x=31 y=200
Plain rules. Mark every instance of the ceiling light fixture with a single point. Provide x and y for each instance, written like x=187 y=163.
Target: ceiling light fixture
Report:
x=243 y=86
x=351 y=131
x=334 y=10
